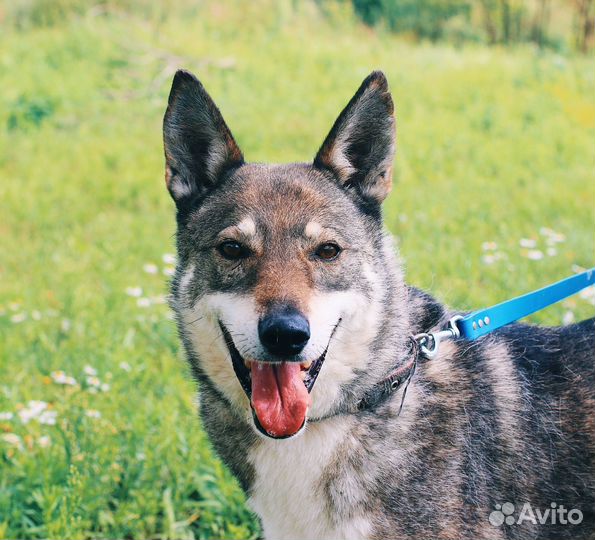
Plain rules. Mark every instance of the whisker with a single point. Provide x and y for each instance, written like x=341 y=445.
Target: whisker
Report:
x=196 y=320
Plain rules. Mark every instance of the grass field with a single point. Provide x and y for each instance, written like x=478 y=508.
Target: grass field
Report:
x=98 y=431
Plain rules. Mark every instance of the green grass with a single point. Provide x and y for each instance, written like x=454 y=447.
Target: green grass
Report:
x=493 y=145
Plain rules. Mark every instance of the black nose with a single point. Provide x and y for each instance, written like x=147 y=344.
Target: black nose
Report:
x=284 y=331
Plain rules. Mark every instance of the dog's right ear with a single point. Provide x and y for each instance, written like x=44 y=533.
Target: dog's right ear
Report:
x=199 y=147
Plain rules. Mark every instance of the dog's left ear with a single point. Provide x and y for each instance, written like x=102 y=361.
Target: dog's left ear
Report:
x=360 y=147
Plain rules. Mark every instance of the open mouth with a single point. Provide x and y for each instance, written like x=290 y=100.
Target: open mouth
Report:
x=279 y=393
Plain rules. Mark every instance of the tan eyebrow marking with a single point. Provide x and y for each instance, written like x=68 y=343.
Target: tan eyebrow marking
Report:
x=313 y=229
x=247 y=226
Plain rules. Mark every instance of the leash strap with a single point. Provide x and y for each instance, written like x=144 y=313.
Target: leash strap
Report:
x=482 y=322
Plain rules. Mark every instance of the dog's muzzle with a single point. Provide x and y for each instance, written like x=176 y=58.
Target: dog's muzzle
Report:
x=279 y=392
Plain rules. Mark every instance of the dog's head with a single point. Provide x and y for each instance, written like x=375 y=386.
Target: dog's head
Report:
x=278 y=283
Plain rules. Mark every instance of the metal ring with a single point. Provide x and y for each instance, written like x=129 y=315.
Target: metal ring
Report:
x=452 y=325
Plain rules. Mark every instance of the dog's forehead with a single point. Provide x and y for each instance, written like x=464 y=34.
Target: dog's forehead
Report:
x=296 y=198
x=290 y=192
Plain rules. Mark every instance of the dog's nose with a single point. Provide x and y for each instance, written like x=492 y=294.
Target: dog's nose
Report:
x=284 y=331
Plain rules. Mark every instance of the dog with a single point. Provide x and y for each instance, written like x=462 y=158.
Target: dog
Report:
x=296 y=321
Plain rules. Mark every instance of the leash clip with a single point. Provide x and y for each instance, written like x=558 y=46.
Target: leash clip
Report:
x=429 y=343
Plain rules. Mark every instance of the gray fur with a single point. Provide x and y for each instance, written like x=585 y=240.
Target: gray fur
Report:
x=509 y=417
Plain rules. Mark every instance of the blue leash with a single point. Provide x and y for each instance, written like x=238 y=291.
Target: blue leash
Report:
x=482 y=322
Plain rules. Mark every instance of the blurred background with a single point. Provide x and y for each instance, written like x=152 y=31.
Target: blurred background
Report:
x=493 y=196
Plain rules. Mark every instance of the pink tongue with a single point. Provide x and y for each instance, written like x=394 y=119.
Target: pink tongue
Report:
x=279 y=397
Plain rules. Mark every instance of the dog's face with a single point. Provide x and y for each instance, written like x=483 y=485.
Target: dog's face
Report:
x=276 y=291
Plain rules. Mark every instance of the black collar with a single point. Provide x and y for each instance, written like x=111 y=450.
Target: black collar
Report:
x=390 y=384
x=382 y=390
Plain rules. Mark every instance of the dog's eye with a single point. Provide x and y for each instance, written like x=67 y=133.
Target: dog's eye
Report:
x=233 y=250
x=328 y=252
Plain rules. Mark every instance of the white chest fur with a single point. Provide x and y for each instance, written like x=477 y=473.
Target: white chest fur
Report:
x=288 y=492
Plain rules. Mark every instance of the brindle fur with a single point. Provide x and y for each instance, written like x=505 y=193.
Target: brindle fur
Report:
x=509 y=417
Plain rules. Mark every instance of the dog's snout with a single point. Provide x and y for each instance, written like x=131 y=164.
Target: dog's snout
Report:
x=284 y=331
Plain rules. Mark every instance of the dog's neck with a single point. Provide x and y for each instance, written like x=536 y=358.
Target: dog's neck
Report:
x=381 y=344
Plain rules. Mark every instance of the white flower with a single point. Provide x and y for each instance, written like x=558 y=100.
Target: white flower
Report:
x=92 y=413
x=150 y=268
x=44 y=441
x=527 y=243
x=169 y=271
x=551 y=251
x=33 y=410
x=556 y=238
x=36 y=405
x=568 y=317
x=143 y=302
x=48 y=418
x=588 y=294
x=18 y=318
x=7 y=415
x=552 y=237
x=489 y=246
x=169 y=258
x=534 y=254
x=125 y=366
x=93 y=381
x=90 y=370
x=141 y=456
x=13 y=439
x=38 y=410
x=491 y=258
x=59 y=377
x=134 y=291
x=65 y=325
x=36 y=315
x=95 y=384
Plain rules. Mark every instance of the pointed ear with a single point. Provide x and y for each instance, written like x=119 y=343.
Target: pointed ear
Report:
x=199 y=147
x=360 y=147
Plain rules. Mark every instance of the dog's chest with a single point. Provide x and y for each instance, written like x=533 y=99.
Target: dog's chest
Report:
x=290 y=491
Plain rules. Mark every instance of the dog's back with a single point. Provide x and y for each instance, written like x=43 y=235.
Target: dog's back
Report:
x=505 y=422
x=557 y=380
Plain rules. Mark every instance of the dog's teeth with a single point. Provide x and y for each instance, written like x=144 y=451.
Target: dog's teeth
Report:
x=303 y=374
x=306 y=365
